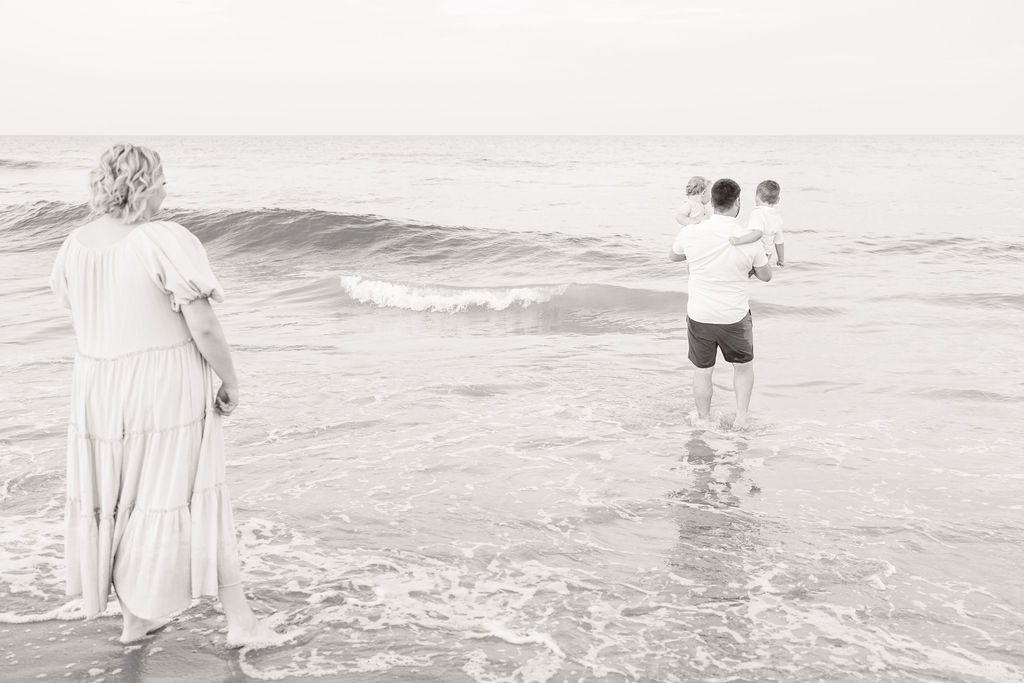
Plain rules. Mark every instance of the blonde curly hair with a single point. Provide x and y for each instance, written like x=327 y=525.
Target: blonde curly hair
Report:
x=123 y=181
x=697 y=185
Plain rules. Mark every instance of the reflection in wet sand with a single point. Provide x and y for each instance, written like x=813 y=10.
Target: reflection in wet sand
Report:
x=716 y=542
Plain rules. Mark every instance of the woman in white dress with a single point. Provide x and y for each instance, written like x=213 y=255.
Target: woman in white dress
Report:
x=147 y=510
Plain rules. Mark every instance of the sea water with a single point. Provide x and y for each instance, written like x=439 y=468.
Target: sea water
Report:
x=465 y=449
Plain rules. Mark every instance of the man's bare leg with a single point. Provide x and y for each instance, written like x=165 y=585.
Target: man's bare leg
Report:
x=743 y=384
x=702 y=390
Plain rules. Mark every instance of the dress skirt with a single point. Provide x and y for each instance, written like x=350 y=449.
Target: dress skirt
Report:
x=148 y=511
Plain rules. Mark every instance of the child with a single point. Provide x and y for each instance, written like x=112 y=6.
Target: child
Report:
x=765 y=223
x=698 y=202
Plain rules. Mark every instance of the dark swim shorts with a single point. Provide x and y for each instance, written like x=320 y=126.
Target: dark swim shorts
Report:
x=735 y=339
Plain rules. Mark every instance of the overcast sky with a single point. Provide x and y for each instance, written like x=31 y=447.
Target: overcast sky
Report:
x=351 y=67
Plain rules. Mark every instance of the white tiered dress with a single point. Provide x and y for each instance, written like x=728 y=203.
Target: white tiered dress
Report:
x=147 y=507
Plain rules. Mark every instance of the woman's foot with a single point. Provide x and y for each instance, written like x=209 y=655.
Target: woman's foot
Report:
x=252 y=633
x=136 y=629
x=244 y=629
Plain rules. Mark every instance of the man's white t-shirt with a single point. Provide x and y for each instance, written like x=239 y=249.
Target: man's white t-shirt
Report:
x=767 y=220
x=718 y=270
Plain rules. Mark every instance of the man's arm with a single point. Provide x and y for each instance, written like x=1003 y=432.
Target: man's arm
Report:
x=683 y=218
x=677 y=252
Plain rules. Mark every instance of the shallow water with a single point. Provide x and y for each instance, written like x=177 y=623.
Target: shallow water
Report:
x=466 y=449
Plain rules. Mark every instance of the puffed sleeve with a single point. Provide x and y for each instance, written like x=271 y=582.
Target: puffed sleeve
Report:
x=59 y=277
x=177 y=262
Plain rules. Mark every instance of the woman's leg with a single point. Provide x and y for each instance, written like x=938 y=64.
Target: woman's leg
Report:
x=136 y=628
x=243 y=626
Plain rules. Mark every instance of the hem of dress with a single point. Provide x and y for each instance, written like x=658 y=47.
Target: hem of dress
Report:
x=213 y=558
x=195 y=596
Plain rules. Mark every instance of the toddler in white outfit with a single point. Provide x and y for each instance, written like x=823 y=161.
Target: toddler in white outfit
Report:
x=765 y=223
x=698 y=202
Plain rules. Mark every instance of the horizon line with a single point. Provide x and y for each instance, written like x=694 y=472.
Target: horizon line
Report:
x=508 y=135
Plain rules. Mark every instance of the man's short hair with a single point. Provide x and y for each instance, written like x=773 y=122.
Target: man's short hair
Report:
x=768 y=192
x=696 y=186
x=724 y=193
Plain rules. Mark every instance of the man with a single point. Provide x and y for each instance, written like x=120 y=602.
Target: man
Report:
x=718 y=312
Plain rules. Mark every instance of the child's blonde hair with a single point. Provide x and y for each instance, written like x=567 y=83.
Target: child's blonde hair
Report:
x=697 y=185
x=123 y=181
x=768 y=192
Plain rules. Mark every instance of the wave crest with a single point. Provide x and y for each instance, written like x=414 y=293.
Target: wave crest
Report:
x=444 y=299
x=354 y=238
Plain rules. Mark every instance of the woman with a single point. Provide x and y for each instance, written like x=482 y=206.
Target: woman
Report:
x=147 y=509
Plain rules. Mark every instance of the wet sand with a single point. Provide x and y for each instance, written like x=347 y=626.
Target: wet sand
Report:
x=190 y=648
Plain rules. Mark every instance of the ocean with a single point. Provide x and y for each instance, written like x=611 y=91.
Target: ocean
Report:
x=466 y=448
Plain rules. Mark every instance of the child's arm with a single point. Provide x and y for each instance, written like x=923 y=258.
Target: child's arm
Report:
x=755 y=230
x=749 y=237
x=780 y=248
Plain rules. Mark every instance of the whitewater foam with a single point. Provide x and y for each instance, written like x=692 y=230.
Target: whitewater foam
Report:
x=439 y=299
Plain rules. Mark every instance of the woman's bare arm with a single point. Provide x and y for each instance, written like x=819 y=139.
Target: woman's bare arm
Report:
x=209 y=337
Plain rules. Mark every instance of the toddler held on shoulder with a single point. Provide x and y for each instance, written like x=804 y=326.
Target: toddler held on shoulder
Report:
x=765 y=223
x=698 y=202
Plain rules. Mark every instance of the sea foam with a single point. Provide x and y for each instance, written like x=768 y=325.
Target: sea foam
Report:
x=444 y=299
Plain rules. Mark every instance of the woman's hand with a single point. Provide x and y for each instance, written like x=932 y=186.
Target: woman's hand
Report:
x=227 y=399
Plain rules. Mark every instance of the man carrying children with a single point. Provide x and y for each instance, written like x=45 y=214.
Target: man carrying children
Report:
x=717 y=310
